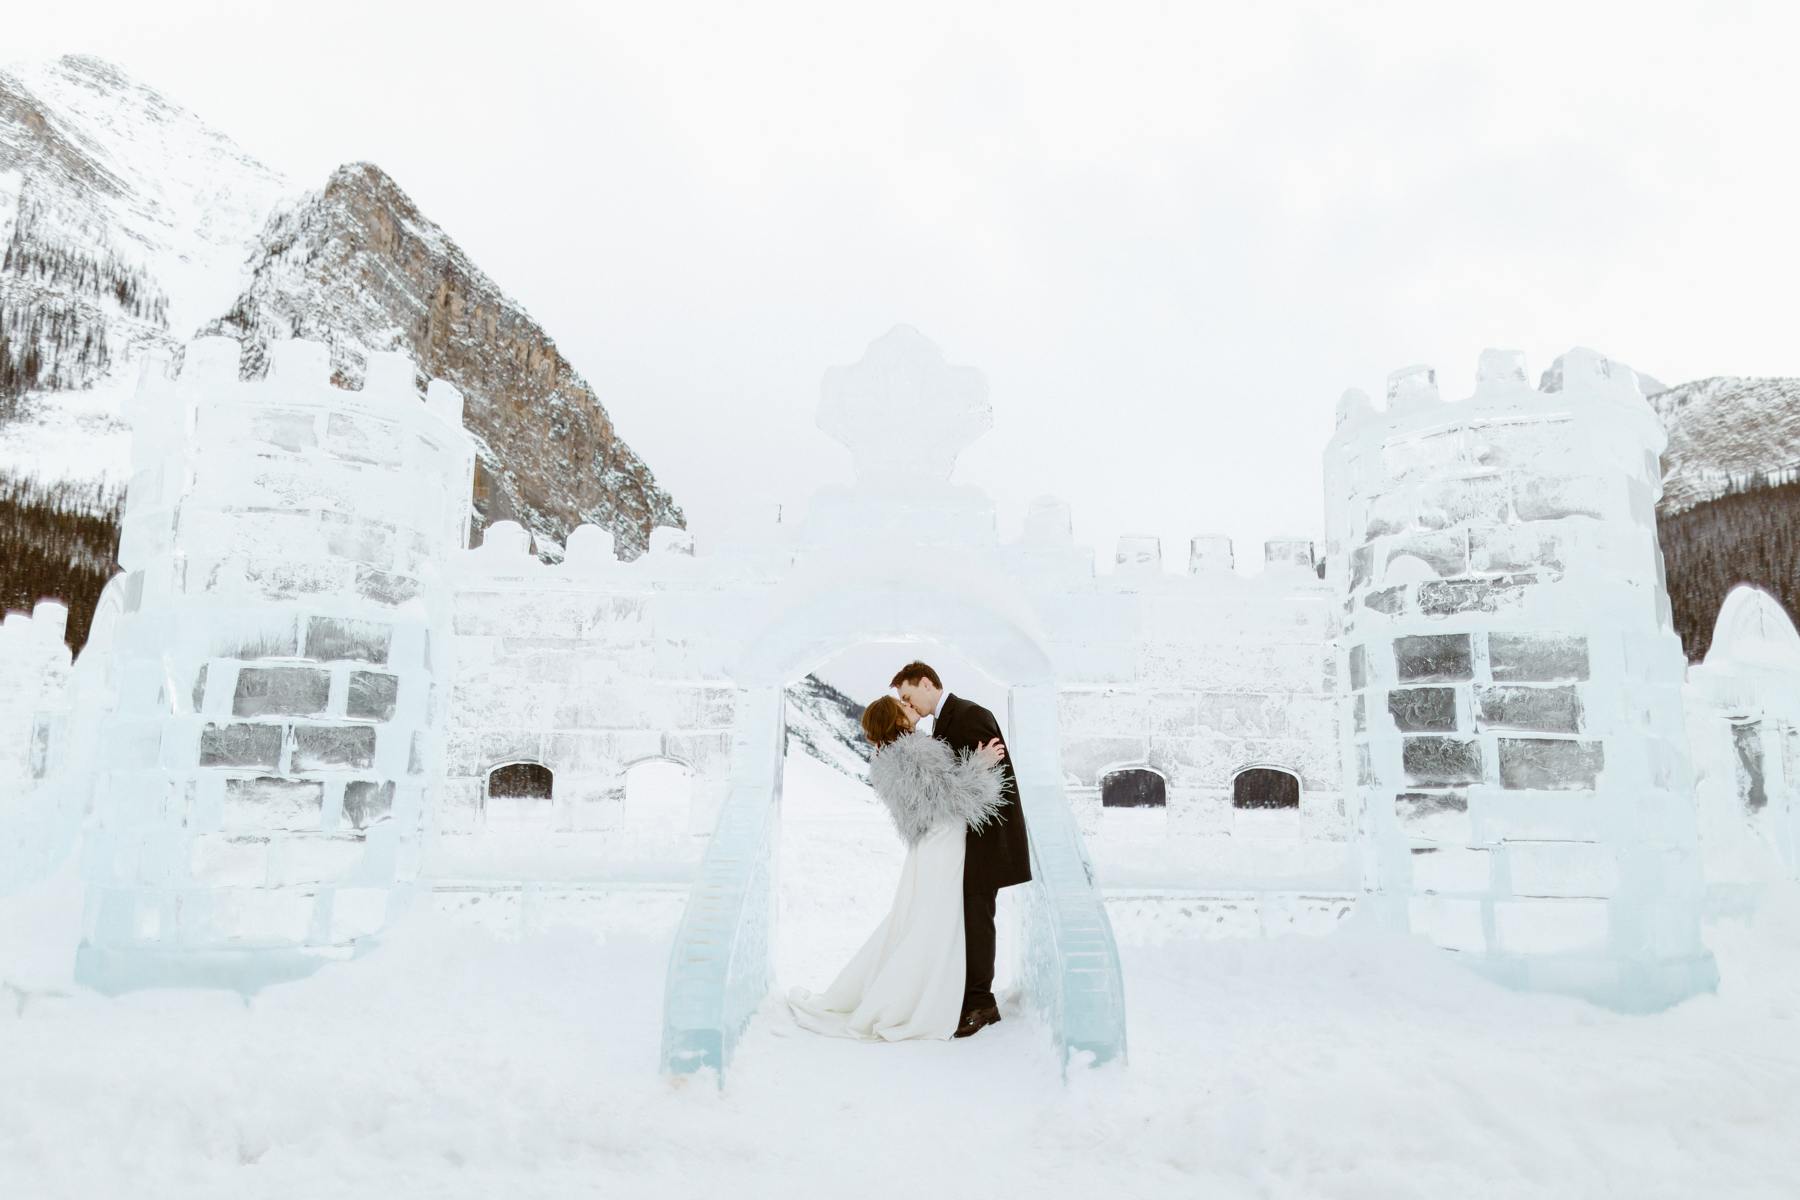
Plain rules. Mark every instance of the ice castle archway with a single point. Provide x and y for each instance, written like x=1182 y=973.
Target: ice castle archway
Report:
x=877 y=569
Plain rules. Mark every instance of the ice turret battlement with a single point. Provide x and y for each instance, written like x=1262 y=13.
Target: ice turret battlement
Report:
x=1048 y=532
x=371 y=476
x=1211 y=554
x=507 y=551
x=1577 y=376
x=34 y=660
x=46 y=624
x=299 y=370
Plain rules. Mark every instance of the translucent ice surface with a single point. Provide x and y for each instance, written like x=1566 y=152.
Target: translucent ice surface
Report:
x=266 y=734
x=1516 y=686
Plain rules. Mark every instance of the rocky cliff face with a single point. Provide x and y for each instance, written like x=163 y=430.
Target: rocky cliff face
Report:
x=128 y=225
x=359 y=266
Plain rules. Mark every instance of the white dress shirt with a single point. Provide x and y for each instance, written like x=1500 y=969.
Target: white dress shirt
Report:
x=938 y=708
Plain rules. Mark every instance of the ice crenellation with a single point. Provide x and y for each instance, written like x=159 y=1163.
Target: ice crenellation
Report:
x=308 y=702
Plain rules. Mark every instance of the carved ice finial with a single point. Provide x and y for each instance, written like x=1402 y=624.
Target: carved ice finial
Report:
x=1411 y=388
x=902 y=411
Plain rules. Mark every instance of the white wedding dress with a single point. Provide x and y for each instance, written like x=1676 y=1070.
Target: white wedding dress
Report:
x=907 y=980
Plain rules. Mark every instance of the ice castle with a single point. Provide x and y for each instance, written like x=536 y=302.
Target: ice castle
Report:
x=306 y=703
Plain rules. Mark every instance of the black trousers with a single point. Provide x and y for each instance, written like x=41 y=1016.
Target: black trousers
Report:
x=978 y=935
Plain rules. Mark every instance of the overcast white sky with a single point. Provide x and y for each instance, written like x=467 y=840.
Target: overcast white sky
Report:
x=1170 y=234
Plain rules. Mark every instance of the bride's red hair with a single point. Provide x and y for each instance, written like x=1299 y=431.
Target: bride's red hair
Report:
x=883 y=721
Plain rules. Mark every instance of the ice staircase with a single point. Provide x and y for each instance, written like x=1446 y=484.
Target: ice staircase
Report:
x=721 y=965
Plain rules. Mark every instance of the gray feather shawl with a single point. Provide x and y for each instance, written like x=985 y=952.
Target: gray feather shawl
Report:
x=923 y=782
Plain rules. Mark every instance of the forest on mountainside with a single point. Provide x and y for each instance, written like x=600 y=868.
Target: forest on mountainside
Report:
x=1749 y=535
x=58 y=541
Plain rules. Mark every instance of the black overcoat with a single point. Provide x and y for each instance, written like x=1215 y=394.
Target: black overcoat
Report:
x=999 y=856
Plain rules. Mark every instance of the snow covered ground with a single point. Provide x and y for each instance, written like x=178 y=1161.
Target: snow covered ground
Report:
x=451 y=1063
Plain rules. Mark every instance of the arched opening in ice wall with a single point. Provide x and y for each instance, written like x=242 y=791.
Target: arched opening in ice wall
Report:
x=1265 y=788
x=721 y=964
x=838 y=854
x=519 y=793
x=1134 y=787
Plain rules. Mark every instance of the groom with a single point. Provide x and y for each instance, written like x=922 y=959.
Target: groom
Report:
x=997 y=856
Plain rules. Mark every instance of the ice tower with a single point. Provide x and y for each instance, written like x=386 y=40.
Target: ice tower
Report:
x=272 y=728
x=1513 y=721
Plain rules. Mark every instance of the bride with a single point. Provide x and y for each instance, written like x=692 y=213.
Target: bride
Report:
x=907 y=980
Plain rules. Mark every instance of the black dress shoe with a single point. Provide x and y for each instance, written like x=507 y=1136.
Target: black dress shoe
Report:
x=977 y=1019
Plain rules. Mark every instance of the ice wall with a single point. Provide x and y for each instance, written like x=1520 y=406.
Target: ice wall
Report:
x=39 y=811
x=1514 y=724
x=1743 y=722
x=271 y=735
x=1196 y=677
x=871 y=562
x=584 y=668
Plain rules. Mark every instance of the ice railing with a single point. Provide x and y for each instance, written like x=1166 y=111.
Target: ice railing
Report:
x=719 y=968
x=1072 y=978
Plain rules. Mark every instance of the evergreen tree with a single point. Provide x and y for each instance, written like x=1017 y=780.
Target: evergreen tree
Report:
x=57 y=542
x=1749 y=535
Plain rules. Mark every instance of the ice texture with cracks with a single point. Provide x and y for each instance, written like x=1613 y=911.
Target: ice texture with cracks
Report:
x=1533 y=806
x=266 y=751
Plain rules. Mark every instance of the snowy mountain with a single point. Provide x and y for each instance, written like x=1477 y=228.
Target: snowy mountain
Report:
x=358 y=265
x=1724 y=434
x=1730 y=511
x=124 y=221
x=827 y=725
x=129 y=225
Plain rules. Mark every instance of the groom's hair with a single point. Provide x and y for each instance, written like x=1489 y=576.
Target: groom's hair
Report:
x=912 y=672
